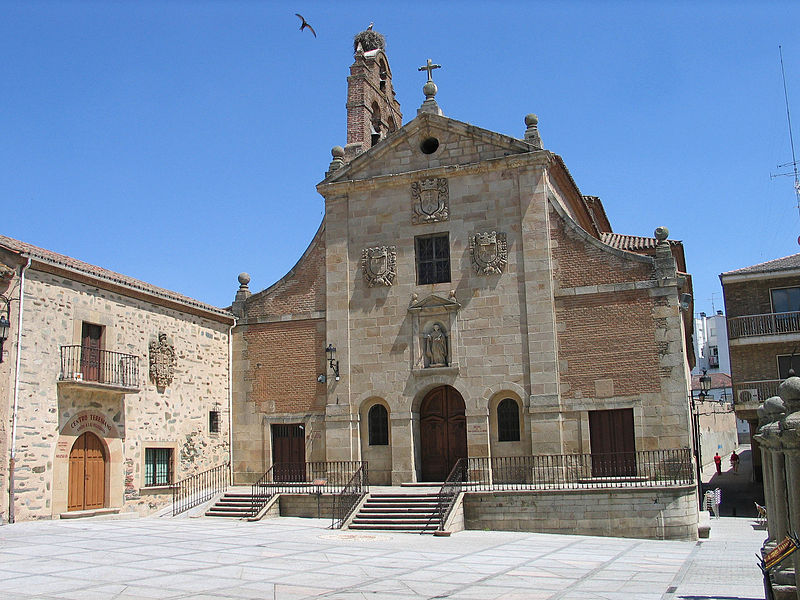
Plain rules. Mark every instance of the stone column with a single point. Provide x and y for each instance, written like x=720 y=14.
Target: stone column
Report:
x=766 y=460
x=792 y=460
x=340 y=429
x=779 y=508
x=403 y=463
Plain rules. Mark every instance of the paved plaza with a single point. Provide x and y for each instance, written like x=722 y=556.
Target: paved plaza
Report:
x=291 y=558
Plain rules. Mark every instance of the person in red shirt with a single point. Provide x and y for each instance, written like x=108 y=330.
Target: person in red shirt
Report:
x=718 y=462
x=735 y=462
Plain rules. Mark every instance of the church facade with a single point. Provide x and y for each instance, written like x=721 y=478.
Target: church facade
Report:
x=461 y=297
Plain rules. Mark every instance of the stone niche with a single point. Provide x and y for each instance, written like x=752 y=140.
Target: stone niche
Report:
x=434 y=335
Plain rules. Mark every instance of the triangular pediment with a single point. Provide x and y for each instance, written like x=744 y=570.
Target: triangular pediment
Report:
x=457 y=143
x=434 y=303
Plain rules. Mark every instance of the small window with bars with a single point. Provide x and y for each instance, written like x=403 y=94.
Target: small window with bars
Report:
x=157 y=466
x=213 y=421
x=508 y=421
x=378 y=421
x=433 y=259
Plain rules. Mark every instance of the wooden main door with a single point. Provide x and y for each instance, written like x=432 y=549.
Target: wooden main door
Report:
x=443 y=432
x=87 y=473
x=613 y=443
x=288 y=453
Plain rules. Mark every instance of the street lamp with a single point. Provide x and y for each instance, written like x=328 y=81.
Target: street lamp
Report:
x=332 y=362
x=705 y=387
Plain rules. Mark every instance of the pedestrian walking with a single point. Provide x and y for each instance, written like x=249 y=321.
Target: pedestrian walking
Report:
x=735 y=462
x=718 y=462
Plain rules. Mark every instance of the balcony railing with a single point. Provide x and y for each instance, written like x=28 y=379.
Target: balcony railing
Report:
x=91 y=365
x=749 y=392
x=769 y=324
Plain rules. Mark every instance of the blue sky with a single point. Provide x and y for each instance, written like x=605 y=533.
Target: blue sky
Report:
x=181 y=142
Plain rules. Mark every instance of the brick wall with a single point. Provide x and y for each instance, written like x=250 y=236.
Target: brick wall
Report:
x=285 y=359
x=608 y=336
x=753 y=362
x=579 y=263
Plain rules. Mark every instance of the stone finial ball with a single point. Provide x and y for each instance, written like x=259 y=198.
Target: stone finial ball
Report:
x=661 y=233
x=244 y=278
x=337 y=152
x=531 y=120
x=429 y=89
x=789 y=390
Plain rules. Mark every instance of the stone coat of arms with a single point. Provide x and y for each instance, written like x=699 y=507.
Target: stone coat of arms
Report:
x=430 y=201
x=379 y=265
x=489 y=251
x=162 y=361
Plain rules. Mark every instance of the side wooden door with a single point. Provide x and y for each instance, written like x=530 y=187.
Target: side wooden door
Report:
x=87 y=473
x=613 y=443
x=288 y=453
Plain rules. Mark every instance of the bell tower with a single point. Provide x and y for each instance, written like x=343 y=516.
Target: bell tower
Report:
x=372 y=111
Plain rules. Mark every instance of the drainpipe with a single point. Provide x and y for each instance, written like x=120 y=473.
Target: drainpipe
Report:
x=12 y=459
x=230 y=399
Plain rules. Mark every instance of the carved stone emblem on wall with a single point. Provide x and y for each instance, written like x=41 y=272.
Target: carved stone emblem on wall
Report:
x=162 y=361
x=379 y=265
x=489 y=251
x=430 y=200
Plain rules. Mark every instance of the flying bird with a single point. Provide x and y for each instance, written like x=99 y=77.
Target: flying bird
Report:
x=305 y=24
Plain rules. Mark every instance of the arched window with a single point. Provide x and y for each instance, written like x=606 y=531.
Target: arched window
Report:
x=383 y=74
x=508 y=421
x=378 y=420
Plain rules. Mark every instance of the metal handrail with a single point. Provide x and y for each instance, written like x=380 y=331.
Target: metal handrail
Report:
x=448 y=493
x=346 y=501
x=200 y=487
x=84 y=363
x=644 y=468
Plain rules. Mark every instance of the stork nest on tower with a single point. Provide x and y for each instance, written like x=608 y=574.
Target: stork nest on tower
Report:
x=369 y=40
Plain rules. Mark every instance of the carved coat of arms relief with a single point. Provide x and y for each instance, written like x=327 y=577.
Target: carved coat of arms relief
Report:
x=489 y=251
x=430 y=201
x=379 y=265
x=162 y=361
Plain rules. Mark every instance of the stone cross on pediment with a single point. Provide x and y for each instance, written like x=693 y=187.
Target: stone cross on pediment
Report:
x=429 y=67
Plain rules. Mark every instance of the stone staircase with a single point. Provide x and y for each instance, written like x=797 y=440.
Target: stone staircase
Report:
x=235 y=503
x=398 y=511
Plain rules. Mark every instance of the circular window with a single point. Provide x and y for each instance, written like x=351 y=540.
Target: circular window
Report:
x=429 y=145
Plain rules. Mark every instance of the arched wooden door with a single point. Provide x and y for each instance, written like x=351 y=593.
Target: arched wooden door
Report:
x=87 y=473
x=443 y=432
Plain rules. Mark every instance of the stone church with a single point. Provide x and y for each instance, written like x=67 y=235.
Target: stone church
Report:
x=461 y=297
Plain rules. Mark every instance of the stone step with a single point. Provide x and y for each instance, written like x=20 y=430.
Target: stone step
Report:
x=396 y=528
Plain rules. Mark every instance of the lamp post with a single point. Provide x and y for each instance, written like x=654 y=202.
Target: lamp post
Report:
x=705 y=386
x=332 y=362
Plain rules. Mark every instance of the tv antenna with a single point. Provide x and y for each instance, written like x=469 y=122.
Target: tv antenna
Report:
x=792 y=164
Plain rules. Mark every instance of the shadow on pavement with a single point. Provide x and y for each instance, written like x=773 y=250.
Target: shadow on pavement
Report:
x=739 y=491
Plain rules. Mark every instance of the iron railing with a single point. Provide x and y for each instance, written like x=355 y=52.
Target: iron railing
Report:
x=766 y=324
x=645 y=468
x=200 y=487
x=449 y=491
x=747 y=392
x=304 y=478
x=345 y=502
x=83 y=363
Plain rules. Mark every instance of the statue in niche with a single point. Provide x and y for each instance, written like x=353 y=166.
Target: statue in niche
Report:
x=436 y=347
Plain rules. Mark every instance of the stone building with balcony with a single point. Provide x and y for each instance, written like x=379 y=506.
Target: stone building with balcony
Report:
x=762 y=303
x=111 y=389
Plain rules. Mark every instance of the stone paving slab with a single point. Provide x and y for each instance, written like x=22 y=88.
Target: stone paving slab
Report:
x=294 y=559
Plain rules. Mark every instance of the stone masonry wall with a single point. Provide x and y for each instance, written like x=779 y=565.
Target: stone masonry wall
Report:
x=663 y=513
x=176 y=417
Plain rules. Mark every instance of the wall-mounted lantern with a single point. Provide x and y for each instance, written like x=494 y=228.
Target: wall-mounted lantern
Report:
x=332 y=362
x=5 y=324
